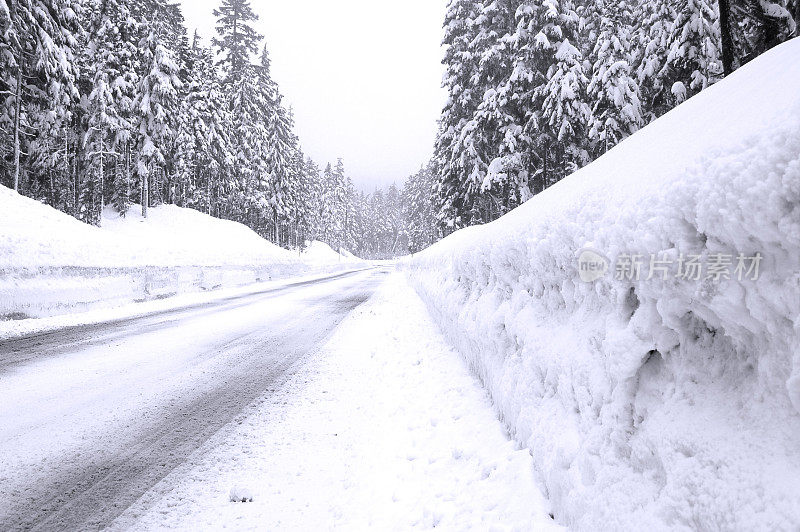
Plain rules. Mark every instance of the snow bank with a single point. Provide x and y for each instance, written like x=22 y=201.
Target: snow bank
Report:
x=51 y=263
x=376 y=431
x=189 y=237
x=35 y=235
x=661 y=403
x=317 y=252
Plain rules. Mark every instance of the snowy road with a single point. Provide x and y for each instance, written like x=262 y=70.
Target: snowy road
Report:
x=92 y=417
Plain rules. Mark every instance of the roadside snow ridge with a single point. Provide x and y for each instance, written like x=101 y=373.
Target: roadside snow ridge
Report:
x=661 y=403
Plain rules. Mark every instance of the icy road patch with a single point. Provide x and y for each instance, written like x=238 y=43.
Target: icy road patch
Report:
x=385 y=428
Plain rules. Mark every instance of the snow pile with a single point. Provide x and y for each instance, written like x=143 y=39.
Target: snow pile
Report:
x=666 y=403
x=34 y=235
x=51 y=263
x=240 y=494
x=189 y=237
x=317 y=252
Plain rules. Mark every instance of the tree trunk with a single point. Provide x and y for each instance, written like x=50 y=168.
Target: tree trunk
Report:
x=726 y=36
x=208 y=192
x=76 y=185
x=544 y=169
x=52 y=190
x=102 y=182
x=127 y=174
x=66 y=169
x=145 y=195
x=17 y=111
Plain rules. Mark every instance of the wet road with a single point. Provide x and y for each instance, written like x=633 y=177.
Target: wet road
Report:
x=92 y=417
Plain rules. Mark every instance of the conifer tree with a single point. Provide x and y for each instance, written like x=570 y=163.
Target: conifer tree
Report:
x=616 y=107
x=417 y=207
x=651 y=41
x=565 y=112
x=237 y=39
x=693 y=58
x=98 y=145
x=205 y=127
x=37 y=45
x=157 y=97
x=462 y=102
x=489 y=142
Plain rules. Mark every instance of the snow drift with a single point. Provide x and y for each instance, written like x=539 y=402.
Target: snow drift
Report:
x=317 y=252
x=662 y=403
x=51 y=263
x=35 y=235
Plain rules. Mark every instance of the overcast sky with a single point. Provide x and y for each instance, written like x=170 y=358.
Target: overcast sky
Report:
x=364 y=77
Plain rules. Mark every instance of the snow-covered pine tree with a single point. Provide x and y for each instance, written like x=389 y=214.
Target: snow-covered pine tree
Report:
x=208 y=121
x=693 y=59
x=194 y=128
x=155 y=101
x=490 y=143
x=110 y=61
x=340 y=205
x=328 y=204
x=565 y=113
x=419 y=218
x=49 y=144
x=653 y=19
x=748 y=28
x=237 y=39
x=378 y=226
x=394 y=221
x=335 y=205
x=98 y=145
x=114 y=45
x=463 y=99
x=359 y=225
x=351 y=235
x=282 y=184
x=37 y=44
x=297 y=200
x=182 y=186
x=312 y=194
x=529 y=70
x=282 y=148
x=252 y=96
x=613 y=91
x=248 y=196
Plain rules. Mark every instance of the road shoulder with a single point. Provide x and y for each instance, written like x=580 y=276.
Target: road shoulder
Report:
x=384 y=428
x=11 y=329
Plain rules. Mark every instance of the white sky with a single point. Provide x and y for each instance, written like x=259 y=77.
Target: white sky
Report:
x=364 y=77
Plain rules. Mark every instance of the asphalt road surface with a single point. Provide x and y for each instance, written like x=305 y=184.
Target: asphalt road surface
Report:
x=92 y=417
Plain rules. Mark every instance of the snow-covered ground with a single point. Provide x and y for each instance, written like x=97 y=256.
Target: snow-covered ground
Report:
x=653 y=401
x=383 y=429
x=52 y=264
x=35 y=236
x=317 y=252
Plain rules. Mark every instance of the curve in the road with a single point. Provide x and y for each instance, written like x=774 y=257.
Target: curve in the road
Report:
x=87 y=491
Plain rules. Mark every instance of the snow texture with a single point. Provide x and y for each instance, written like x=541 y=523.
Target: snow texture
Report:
x=318 y=252
x=52 y=264
x=383 y=429
x=657 y=404
x=35 y=235
x=240 y=494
